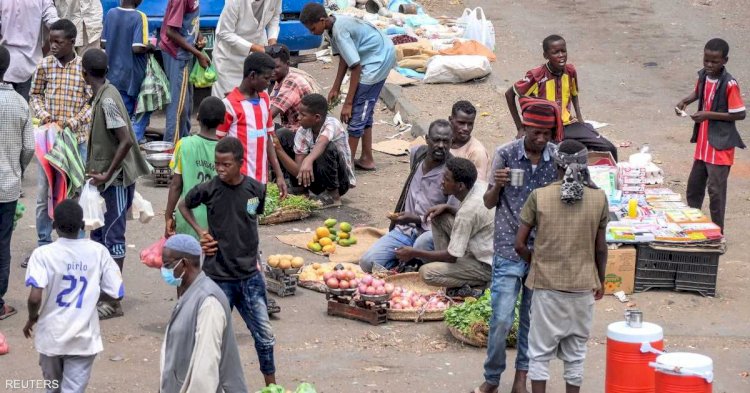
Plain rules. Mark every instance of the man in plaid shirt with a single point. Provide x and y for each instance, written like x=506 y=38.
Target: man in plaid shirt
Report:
x=59 y=95
x=291 y=84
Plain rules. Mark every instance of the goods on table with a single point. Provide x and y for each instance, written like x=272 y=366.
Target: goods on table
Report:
x=470 y=321
x=285 y=261
x=291 y=208
x=347 y=298
x=341 y=279
x=369 y=286
x=326 y=238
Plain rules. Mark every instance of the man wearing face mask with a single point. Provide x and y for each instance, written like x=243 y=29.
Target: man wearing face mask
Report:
x=201 y=324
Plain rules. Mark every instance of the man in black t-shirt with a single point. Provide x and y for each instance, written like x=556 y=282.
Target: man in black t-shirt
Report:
x=233 y=202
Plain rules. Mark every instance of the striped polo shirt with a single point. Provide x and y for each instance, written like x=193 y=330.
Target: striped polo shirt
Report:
x=250 y=121
x=541 y=82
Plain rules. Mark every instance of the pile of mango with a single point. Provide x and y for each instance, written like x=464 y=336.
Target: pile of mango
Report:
x=326 y=238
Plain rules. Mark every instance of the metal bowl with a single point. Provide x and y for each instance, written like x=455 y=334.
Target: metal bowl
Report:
x=159 y=160
x=158 y=147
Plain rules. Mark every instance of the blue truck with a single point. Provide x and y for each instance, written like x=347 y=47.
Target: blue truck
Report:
x=293 y=34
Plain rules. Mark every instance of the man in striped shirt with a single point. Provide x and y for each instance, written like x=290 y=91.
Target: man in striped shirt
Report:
x=249 y=119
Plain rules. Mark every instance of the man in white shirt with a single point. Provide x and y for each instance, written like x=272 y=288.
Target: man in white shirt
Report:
x=21 y=33
x=66 y=278
x=244 y=26
x=88 y=16
x=199 y=353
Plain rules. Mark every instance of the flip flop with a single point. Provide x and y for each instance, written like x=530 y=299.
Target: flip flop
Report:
x=8 y=312
x=272 y=307
x=362 y=168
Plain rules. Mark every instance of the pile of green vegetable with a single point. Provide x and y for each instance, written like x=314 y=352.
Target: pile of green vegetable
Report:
x=472 y=318
x=302 y=388
x=291 y=202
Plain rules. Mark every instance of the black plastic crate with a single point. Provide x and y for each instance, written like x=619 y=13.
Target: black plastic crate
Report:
x=682 y=270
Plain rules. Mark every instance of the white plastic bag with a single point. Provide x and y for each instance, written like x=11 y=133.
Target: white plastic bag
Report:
x=93 y=207
x=477 y=27
x=141 y=209
x=456 y=69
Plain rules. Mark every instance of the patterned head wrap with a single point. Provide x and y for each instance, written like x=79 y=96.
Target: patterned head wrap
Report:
x=576 y=175
x=537 y=112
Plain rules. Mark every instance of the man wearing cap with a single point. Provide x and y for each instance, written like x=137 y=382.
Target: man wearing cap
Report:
x=199 y=353
x=532 y=154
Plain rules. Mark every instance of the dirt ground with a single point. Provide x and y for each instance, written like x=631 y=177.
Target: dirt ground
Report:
x=635 y=59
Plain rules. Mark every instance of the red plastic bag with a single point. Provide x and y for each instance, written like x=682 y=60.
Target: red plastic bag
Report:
x=151 y=255
x=4 y=348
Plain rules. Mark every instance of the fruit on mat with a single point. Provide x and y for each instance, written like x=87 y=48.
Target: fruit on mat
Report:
x=326 y=241
x=322 y=232
x=343 y=235
x=330 y=223
x=345 y=227
x=329 y=249
x=314 y=247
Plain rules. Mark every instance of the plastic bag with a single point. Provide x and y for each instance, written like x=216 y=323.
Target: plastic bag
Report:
x=151 y=256
x=141 y=209
x=305 y=387
x=477 y=27
x=155 y=93
x=20 y=209
x=93 y=207
x=4 y=347
x=203 y=77
x=456 y=69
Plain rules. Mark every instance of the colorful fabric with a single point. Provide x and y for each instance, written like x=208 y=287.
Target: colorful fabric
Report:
x=154 y=94
x=59 y=93
x=184 y=15
x=193 y=159
x=249 y=120
x=64 y=157
x=336 y=134
x=703 y=150
x=125 y=29
x=287 y=95
x=540 y=113
x=541 y=82
x=44 y=141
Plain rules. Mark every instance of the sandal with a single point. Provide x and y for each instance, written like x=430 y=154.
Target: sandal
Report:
x=108 y=310
x=326 y=201
x=8 y=312
x=25 y=262
x=272 y=306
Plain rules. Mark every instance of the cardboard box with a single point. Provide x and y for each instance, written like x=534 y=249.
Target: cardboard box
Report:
x=601 y=158
x=620 y=273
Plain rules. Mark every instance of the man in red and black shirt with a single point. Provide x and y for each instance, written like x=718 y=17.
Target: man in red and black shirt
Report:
x=714 y=133
x=557 y=81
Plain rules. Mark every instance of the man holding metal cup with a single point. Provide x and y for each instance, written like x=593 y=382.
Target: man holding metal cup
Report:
x=518 y=168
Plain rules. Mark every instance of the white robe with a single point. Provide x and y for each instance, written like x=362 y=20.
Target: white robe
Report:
x=237 y=30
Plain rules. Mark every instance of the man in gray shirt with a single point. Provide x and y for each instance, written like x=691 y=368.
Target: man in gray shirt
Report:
x=421 y=192
x=462 y=235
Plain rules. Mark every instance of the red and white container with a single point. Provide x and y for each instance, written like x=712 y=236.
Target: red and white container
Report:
x=683 y=372
x=630 y=349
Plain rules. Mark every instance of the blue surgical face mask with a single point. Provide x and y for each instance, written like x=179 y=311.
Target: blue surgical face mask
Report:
x=167 y=275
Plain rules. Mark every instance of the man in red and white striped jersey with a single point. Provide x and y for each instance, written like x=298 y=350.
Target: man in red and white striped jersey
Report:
x=249 y=119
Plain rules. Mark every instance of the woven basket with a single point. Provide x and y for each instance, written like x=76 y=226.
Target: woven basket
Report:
x=466 y=339
x=412 y=282
x=284 y=215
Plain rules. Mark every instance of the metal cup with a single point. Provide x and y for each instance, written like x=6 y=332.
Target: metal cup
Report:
x=516 y=177
x=634 y=318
